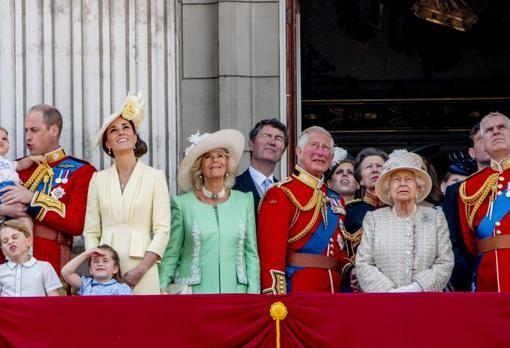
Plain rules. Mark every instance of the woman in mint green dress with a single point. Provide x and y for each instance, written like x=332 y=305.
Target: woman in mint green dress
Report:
x=213 y=242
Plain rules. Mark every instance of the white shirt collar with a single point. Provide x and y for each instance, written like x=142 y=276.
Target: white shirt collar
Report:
x=258 y=177
x=31 y=261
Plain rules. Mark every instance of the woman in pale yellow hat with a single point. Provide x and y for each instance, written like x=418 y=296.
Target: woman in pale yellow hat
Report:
x=406 y=246
x=213 y=243
x=127 y=204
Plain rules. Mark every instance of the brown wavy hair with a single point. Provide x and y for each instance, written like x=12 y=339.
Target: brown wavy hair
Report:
x=140 y=149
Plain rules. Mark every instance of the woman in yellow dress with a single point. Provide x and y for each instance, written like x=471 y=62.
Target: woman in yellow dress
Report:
x=127 y=204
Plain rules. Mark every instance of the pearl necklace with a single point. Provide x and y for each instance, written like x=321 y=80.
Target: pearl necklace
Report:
x=213 y=195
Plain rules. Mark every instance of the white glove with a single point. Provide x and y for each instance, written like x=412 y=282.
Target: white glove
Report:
x=413 y=287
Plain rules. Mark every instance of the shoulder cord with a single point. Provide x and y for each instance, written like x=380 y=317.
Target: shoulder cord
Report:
x=474 y=201
x=316 y=202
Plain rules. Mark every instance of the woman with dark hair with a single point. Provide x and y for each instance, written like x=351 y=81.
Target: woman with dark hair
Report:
x=127 y=204
x=340 y=175
x=367 y=169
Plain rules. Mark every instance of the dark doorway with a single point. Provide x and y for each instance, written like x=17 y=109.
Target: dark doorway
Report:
x=374 y=74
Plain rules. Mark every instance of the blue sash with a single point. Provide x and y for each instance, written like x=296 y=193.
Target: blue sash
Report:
x=500 y=207
x=319 y=240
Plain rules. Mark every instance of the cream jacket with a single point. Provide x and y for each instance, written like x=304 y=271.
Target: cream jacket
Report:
x=396 y=251
x=132 y=222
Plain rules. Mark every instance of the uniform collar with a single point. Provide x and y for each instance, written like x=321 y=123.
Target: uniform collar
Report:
x=55 y=155
x=307 y=178
x=500 y=166
x=372 y=200
x=31 y=261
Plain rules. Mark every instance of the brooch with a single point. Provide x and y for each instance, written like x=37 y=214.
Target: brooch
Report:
x=57 y=192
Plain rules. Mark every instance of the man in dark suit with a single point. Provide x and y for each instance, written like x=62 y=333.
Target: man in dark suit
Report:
x=268 y=140
x=461 y=278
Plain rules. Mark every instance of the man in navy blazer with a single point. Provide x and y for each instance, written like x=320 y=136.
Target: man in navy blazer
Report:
x=268 y=140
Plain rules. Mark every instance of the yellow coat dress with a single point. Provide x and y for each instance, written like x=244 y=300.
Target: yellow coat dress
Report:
x=132 y=222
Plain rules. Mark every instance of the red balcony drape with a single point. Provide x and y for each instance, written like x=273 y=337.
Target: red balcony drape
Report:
x=313 y=320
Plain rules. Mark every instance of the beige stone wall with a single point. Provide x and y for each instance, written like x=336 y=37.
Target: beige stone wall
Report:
x=230 y=65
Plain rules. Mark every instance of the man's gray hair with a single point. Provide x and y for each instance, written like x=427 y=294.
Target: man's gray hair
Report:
x=491 y=115
x=305 y=135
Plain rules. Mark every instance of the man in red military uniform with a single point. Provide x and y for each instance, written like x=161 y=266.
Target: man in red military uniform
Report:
x=300 y=224
x=484 y=208
x=54 y=192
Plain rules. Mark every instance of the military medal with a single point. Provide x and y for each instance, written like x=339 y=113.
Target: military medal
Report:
x=336 y=206
x=59 y=179
x=57 y=192
x=66 y=176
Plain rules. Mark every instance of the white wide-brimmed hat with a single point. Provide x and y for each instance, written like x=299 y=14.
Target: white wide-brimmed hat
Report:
x=402 y=160
x=231 y=140
x=131 y=110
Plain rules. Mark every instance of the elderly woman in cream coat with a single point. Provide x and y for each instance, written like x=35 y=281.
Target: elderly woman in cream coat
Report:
x=127 y=204
x=213 y=243
x=406 y=246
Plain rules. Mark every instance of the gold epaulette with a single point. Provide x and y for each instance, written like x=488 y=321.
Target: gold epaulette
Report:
x=284 y=181
x=276 y=184
x=474 y=201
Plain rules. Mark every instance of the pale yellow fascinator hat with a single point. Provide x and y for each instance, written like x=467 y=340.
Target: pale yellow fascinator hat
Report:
x=131 y=110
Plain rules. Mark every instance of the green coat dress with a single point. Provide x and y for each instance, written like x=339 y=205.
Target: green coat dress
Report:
x=213 y=250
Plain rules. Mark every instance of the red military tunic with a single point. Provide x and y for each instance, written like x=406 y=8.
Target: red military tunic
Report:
x=290 y=214
x=484 y=220
x=59 y=204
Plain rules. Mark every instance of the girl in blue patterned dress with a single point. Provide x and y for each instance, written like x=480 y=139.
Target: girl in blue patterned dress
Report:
x=104 y=269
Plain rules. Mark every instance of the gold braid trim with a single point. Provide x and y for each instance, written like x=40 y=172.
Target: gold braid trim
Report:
x=307 y=227
x=279 y=283
x=474 y=201
x=48 y=203
x=37 y=176
x=355 y=237
x=316 y=202
x=312 y=203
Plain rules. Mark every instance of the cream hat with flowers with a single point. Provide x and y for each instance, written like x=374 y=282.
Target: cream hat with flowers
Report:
x=402 y=160
x=231 y=140
x=131 y=110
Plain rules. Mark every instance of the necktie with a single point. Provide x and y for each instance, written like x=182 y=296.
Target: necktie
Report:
x=266 y=184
